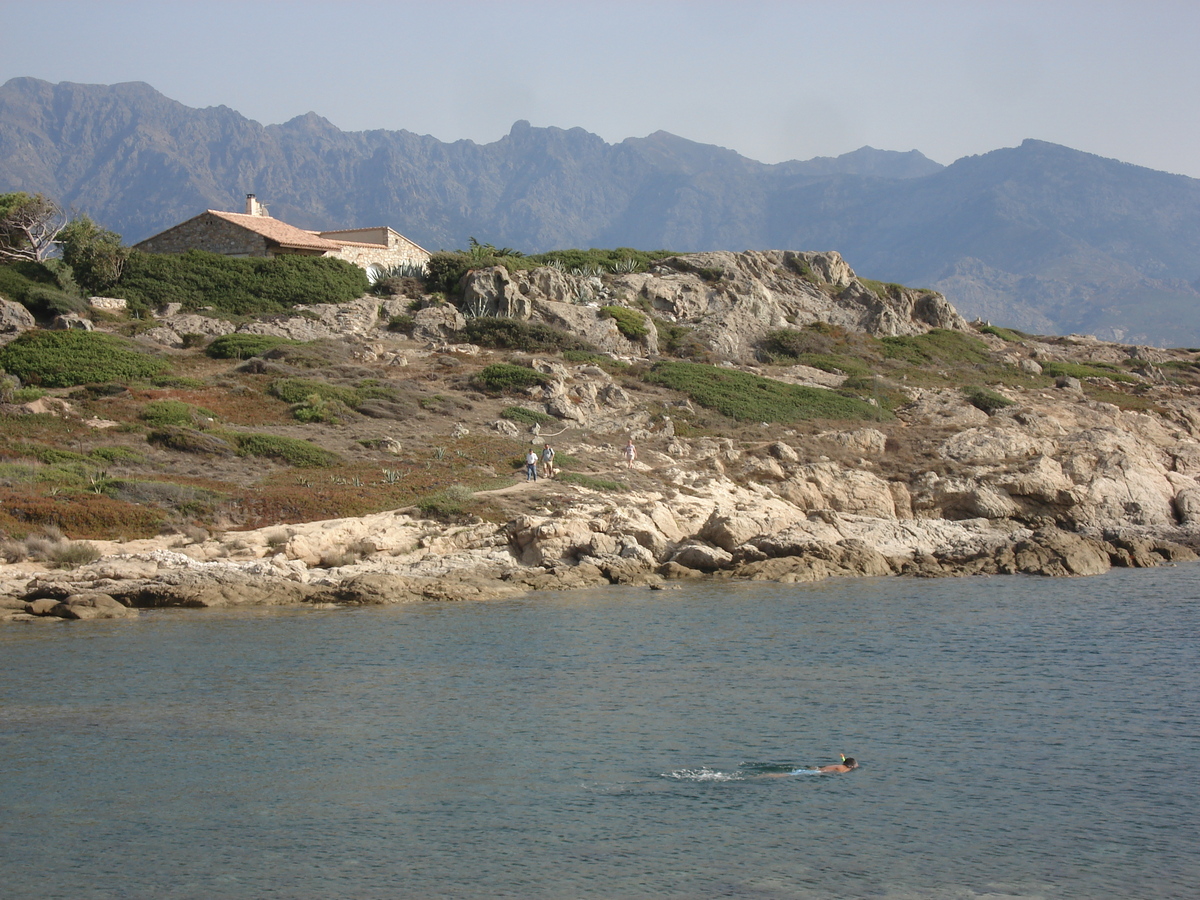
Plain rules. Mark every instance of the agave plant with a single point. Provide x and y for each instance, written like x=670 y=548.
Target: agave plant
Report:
x=475 y=309
x=625 y=266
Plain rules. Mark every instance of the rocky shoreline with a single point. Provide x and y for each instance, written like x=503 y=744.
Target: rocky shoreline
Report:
x=731 y=533
x=1046 y=477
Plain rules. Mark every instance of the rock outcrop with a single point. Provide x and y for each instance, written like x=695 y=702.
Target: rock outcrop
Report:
x=730 y=299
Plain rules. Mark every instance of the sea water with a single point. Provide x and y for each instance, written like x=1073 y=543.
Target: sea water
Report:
x=1018 y=737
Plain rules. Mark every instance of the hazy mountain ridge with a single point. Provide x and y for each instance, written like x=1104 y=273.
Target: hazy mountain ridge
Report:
x=1039 y=236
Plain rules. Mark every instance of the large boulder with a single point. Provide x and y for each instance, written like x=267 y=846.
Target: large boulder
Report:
x=14 y=319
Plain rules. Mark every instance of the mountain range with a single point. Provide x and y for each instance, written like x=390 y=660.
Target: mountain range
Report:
x=1037 y=237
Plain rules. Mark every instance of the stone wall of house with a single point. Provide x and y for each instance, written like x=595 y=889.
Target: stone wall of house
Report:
x=400 y=251
x=207 y=232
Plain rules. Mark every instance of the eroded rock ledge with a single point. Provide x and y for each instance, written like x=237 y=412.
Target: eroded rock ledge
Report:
x=725 y=531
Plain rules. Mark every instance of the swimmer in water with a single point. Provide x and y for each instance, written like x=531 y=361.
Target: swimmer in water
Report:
x=847 y=764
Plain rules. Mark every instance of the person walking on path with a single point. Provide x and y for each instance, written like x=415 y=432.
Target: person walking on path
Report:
x=548 y=461
x=531 y=461
x=630 y=453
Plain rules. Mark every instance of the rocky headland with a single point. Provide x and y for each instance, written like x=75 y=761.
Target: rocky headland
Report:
x=987 y=465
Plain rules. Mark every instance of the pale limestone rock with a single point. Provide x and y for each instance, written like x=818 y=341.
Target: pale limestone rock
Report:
x=764 y=469
x=864 y=441
x=802 y=493
x=989 y=503
x=901 y=499
x=14 y=318
x=947 y=408
x=705 y=557
x=783 y=452
x=849 y=490
x=1186 y=504
x=1042 y=479
x=995 y=444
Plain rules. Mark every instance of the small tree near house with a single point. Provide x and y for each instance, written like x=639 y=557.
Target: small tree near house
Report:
x=29 y=226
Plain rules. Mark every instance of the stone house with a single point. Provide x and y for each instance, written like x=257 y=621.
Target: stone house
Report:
x=256 y=233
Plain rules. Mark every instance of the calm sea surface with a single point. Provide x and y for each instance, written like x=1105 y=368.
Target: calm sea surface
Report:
x=1018 y=737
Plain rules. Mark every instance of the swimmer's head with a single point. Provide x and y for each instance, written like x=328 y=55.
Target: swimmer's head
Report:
x=850 y=761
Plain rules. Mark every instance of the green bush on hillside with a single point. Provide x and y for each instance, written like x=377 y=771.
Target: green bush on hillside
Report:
x=244 y=346
x=294 y=452
x=940 y=346
x=446 y=268
x=500 y=333
x=501 y=377
x=45 y=289
x=163 y=413
x=752 y=398
x=630 y=323
x=1078 y=370
x=1005 y=334
x=70 y=358
x=239 y=287
x=527 y=416
x=298 y=390
x=988 y=401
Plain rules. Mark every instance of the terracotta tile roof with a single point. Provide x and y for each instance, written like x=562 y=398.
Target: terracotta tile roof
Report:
x=278 y=232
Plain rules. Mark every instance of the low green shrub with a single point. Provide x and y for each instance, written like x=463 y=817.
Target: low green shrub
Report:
x=589 y=481
x=445 y=270
x=499 y=378
x=69 y=358
x=618 y=260
x=631 y=323
x=179 y=382
x=448 y=503
x=584 y=357
x=72 y=555
x=160 y=413
x=882 y=290
x=298 y=390
x=9 y=385
x=234 y=286
x=527 y=416
x=1056 y=369
x=941 y=346
x=680 y=341
x=403 y=324
x=244 y=346
x=316 y=408
x=501 y=333
x=189 y=440
x=1005 y=334
x=45 y=289
x=298 y=453
x=752 y=398
x=320 y=401
x=988 y=401
x=27 y=395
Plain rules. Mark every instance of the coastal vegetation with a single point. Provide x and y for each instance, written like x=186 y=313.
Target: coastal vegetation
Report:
x=104 y=436
x=237 y=287
x=747 y=397
x=57 y=359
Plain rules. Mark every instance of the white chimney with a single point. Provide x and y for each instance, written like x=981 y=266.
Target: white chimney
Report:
x=254 y=208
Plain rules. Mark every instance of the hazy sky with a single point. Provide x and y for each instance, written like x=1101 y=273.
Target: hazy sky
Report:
x=771 y=80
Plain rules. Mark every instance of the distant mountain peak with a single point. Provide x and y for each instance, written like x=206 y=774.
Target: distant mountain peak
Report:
x=1064 y=239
